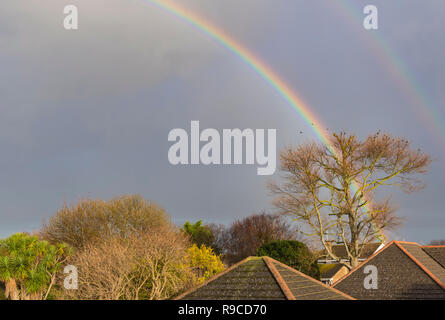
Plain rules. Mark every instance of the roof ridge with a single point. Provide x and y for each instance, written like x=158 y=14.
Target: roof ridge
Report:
x=236 y=265
x=366 y=261
x=271 y=260
x=434 y=246
x=277 y=276
x=408 y=242
x=425 y=269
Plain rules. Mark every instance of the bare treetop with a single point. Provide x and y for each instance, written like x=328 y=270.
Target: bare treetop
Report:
x=332 y=189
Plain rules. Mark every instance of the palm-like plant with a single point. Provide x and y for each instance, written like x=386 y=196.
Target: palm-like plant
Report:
x=28 y=266
x=7 y=276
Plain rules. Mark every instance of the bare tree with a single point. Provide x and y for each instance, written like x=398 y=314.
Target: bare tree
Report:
x=95 y=220
x=244 y=237
x=142 y=266
x=331 y=191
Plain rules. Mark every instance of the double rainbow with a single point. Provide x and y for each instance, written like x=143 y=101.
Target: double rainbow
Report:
x=260 y=68
x=396 y=69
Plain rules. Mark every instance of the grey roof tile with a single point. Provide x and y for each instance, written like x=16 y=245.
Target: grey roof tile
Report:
x=437 y=253
x=262 y=278
x=425 y=260
x=400 y=276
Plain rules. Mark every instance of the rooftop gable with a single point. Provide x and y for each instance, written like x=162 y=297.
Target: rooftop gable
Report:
x=424 y=261
x=404 y=271
x=261 y=278
x=302 y=286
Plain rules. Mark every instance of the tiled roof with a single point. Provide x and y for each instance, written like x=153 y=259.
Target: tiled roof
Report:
x=261 y=278
x=303 y=287
x=437 y=253
x=424 y=261
x=404 y=271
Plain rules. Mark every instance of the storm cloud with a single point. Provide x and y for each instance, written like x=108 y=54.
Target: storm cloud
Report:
x=86 y=113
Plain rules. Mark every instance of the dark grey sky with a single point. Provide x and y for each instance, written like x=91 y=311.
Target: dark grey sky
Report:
x=86 y=113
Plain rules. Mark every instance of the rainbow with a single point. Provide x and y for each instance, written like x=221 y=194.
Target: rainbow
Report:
x=260 y=68
x=249 y=58
x=394 y=66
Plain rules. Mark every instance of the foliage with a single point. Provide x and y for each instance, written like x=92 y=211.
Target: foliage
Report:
x=28 y=266
x=95 y=220
x=199 y=233
x=243 y=238
x=331 y=190
x=202 y=235
x=204 y=262
x=292 y=253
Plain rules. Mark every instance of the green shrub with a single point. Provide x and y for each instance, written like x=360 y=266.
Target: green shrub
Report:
x=292 y=253
x=28 y=266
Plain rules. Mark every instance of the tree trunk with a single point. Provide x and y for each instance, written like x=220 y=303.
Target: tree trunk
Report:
x=11 y=291
x=354 y=262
